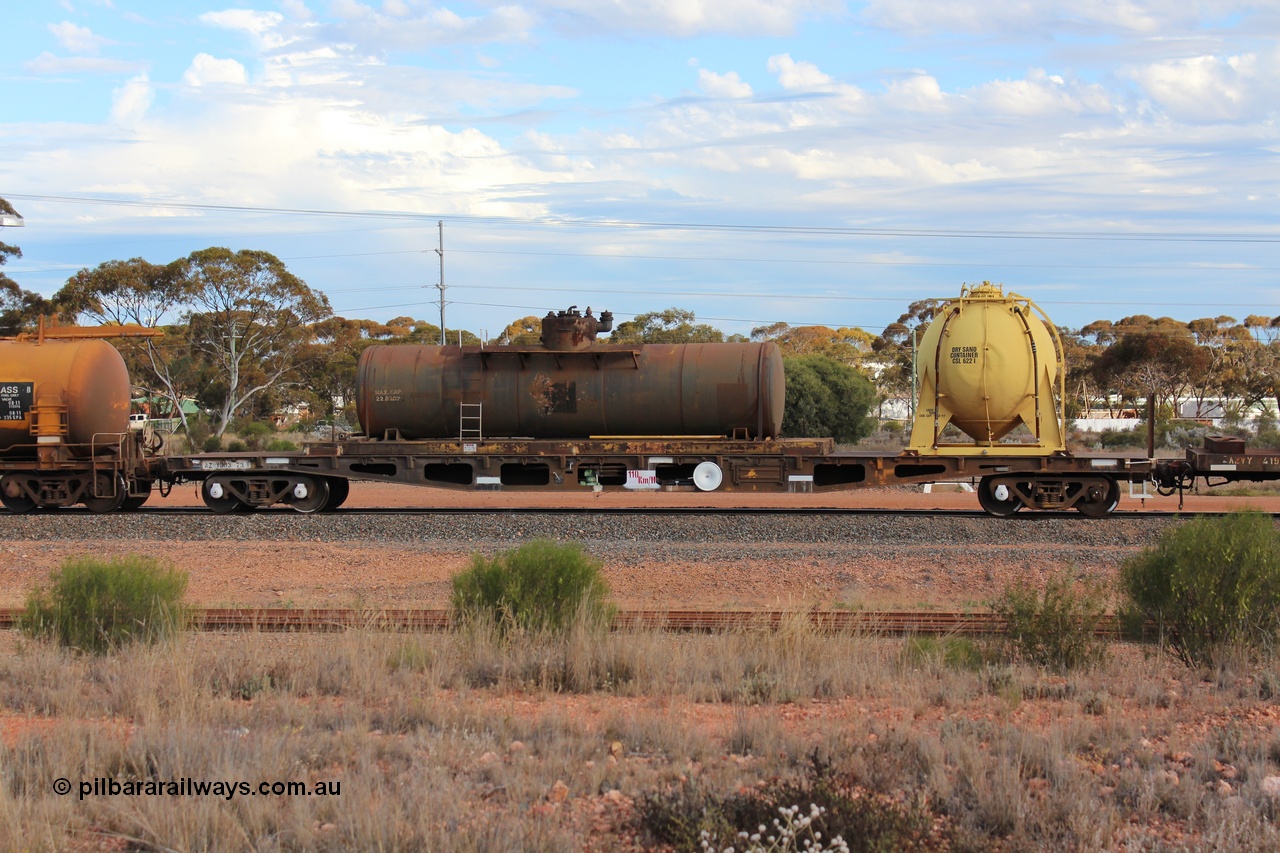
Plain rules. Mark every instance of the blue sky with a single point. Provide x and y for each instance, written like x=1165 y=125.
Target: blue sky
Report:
x=810 y=161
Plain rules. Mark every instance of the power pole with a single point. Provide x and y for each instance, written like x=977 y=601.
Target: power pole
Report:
x=911 y=405
x=440 y=252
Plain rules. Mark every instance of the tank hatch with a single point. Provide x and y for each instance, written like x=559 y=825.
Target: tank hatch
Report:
x=570 y=330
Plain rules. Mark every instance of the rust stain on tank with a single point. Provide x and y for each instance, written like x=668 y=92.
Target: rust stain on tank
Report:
x=540 y=390
x=553 y=398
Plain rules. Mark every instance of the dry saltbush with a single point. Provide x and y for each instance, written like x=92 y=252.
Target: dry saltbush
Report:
x=450 y=742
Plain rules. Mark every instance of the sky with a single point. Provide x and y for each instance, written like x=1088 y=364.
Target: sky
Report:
x=803 y=161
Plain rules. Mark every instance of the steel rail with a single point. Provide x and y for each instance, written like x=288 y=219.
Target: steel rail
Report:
x=871 y=623
x=1029 y=516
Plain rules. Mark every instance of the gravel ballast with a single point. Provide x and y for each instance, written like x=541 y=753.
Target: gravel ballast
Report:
x=651 y=560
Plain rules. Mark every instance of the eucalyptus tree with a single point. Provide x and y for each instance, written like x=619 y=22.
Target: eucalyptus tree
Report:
x=527 y=331
x=1151 y=358
x=19 y=309
x=672 y=326
x=251 y=319
x=846 y=345
x=152 y=295
x=894 y=349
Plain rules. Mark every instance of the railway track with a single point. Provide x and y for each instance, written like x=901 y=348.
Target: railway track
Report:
x=350 y=512
x=874 y=623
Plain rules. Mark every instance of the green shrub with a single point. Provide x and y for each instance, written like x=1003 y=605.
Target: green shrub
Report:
x=1209 y=586
x=236 y=446
x=541 y=585
x=1114 y=439
x=95 y=606
x=212 y=444
x=1266 y=438
x=955 y=653
x=826 y=397
x=253 y=433
x=198 y=432
x=281 y=445
x=1056 y=628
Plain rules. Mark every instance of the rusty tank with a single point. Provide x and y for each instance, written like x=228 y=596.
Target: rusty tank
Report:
x=61 y=391
x=989 y=363
x=571 y=387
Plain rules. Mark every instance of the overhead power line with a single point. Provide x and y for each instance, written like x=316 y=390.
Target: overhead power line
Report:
x=806 y=230
x=755 y=260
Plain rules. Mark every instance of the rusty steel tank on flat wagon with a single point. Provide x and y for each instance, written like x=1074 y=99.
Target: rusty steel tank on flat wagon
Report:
x=51 y=386
x=571 y=387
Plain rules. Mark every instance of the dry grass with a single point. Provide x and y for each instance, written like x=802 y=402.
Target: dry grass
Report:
x=457 y=742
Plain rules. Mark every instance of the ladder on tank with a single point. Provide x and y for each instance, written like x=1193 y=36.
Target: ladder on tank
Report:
x=470 y=421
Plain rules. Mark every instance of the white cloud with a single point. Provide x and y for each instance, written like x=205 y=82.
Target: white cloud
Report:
x=78 y=39
x=249 y=20
x=414 y=24
x=206 y=70
x=1212 y=88
x=917 y=92
x=263 y=27
x=993 y=17
x=129 y=103
x=296 y=9
x=797 y=75
x=685 y=18
x=727 y=85
x=1042 y=94
x=802 y=76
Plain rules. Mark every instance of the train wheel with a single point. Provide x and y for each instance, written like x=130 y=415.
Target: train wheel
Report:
x=997 y=498
x=1101 y=496
x=110 y=492
x=309 y=495
x=339 y=489
x=14 y=497
x=134 y=502
x=218 y=497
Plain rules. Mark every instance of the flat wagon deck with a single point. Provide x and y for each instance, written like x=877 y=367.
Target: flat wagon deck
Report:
x=1006 y=481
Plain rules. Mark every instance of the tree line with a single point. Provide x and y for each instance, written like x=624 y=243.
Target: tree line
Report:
x=245 y=337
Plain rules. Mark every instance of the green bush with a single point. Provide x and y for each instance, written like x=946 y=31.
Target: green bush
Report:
x=955 y=653
x=253 y=433
x=1114 y=439
x=541 y=585
x=1210 y=586
x=825 y=397
x=212 y=444
x=1268 y=437
x=95 y=606
x=199 y=432
x=1056 y=628
x=236 y=446
x=281 y=445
